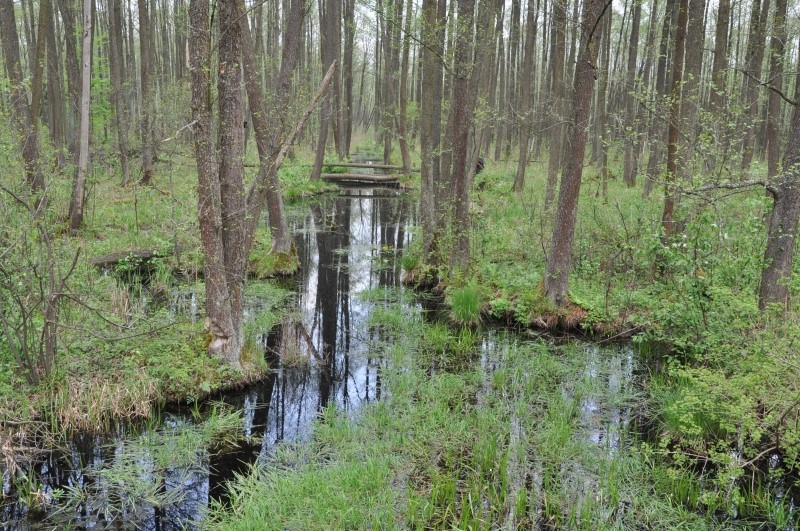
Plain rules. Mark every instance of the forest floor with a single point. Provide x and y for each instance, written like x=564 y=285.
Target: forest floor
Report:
x=466 y=447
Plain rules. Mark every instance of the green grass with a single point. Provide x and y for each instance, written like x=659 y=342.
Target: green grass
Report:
x=459 y=449
x=465 y=305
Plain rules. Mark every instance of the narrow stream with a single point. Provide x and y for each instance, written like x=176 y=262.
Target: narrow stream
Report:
x=348 y=244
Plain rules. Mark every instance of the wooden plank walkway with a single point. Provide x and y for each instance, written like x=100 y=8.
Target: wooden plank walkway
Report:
x=361 y=178
x=362 y=165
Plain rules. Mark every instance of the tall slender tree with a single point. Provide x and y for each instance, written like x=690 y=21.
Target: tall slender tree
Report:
x=79 y=183
x=668 y=213
x=559 y=261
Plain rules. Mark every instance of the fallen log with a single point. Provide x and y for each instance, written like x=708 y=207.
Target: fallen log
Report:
x=137 y=258
x=361 y=177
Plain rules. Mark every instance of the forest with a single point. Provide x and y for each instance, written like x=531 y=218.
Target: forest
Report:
x=399 y=264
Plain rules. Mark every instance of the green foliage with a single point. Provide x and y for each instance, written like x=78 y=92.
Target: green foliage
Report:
x=296 y=184
x=465 y=305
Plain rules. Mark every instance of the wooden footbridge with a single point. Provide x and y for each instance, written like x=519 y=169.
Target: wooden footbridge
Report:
x=383 y=174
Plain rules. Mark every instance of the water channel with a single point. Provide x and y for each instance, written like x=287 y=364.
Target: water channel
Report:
x=348 y=243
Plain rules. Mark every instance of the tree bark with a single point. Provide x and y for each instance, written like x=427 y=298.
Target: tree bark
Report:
x=462 y=121
x=116 y=64
x=79 y=184
x=556 y=279
x=779 y=255
x=220 y=323
x=29 y=140
x=674 y=115
x=146 y=72
x=432 y=185
x=558 y=94
x=777 y=51
x=630 y=164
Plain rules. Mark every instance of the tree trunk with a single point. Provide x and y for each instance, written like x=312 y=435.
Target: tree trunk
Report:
x=79 y=185
x=55 y=93
x=674 y=114
x=602 y=105
x=348 y=16
x=656 y=132
x=146 y=115
x=755 y=56
x=480 y=82
x=220 y=323
x=328 y=52
x=38 y=66
x=116 y=65
x=779 y=255
x=528 y=82
x=556 y=279
x=462 y=122
x=22 y=112
x=402 y=129
x=432 y=185
x=776 y=57
x=720 y=65
x=630 y=164
x=558 y=93
x=73 y=72
x=266 y=188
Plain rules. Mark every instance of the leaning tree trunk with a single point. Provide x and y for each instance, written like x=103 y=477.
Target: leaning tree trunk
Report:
x=556 y=279
x=266 y=188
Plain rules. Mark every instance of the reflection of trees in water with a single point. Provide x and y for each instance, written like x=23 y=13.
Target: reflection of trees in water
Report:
x=356 y=242
x=344 y=244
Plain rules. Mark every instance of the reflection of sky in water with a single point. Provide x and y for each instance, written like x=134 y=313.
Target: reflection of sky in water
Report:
x=609 y=375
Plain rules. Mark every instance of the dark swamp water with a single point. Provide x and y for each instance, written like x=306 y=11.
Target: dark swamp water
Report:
x=348 y=244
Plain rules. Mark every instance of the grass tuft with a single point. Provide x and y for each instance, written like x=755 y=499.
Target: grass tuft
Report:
x=465 y=305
